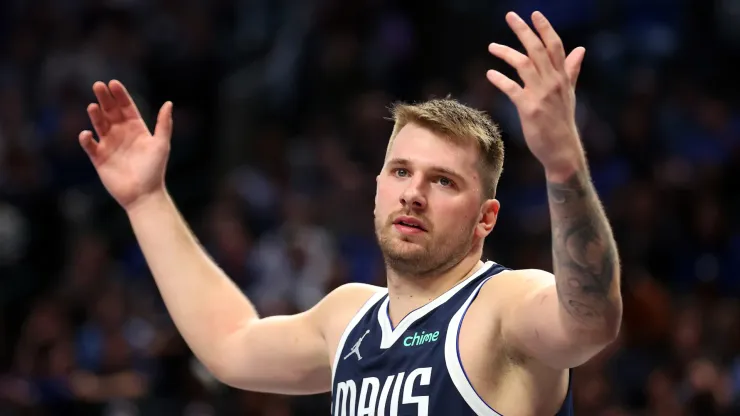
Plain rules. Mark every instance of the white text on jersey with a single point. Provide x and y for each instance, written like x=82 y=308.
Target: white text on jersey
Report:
x=373 y=397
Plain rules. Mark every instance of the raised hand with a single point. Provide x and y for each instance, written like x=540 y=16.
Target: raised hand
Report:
x=546 y=102
x=130 y=161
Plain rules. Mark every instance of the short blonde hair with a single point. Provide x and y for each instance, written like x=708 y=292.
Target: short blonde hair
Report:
x=461 y=123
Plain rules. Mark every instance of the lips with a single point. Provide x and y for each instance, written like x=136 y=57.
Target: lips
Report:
x=410 y=222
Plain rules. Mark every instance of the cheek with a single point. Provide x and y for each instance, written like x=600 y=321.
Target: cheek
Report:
x=385 y=195
x=458 y=219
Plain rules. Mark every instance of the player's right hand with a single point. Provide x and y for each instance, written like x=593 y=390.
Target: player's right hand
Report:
x=130 y=161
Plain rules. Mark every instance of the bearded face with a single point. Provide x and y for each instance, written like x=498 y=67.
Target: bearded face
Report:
x=428 y=203
x=414 y=251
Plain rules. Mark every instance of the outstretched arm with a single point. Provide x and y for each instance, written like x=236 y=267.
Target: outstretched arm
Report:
x=564 y=319
x=278 y=354
x=286 y=354
x=585 y=256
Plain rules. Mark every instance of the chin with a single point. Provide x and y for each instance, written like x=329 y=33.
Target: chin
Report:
x=412 y=265
x=400 y=248
x=414 y=257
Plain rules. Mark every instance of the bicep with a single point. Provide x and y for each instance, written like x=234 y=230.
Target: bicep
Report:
x=280 y=354
x=534 y=323
x=290 y=354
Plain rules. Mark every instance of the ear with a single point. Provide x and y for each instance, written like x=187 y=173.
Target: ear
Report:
x=488 y=216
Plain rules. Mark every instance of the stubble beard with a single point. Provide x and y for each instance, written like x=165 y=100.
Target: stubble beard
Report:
x=423 y=256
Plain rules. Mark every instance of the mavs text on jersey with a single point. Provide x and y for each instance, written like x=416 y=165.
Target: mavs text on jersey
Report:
x=413 y=369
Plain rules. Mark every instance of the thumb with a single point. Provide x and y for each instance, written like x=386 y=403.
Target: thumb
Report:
x=573 y=64
x=164 y=121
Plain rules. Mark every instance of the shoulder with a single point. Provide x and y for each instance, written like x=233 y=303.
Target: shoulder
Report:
x=351 y=295
x=505 y=291
x=502 y=296
x=512 y=283
x=509 y=288
x=337 y=309
x=495 y=305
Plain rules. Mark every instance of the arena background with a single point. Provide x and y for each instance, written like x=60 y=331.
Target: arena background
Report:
x=280 y=128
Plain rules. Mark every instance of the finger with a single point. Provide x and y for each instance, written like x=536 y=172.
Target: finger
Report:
x=98 y=120
x=89 y=145
x=124 y=100
x=519 y=61
x=163 y=128
x=550 y=37
x=532 y=43
x=107 y=102
x=505 y=84
x=573 y=64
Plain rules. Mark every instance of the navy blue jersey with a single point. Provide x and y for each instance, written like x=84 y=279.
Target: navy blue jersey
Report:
x=413 y=369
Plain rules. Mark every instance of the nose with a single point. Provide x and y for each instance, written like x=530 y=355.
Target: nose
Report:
x=413 y=196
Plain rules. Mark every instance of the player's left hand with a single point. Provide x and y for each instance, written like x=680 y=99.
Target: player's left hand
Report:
x=546 y=102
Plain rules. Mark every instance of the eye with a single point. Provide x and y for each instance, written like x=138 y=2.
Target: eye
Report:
x=401 y=172
x=446 y=182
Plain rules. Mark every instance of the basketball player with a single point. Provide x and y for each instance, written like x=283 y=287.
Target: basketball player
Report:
x=452 y=334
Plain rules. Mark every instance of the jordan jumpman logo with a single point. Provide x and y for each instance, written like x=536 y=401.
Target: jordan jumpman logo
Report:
x=356 y=348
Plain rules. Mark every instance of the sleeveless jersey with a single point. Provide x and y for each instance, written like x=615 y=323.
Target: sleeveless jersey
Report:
x=415 y=368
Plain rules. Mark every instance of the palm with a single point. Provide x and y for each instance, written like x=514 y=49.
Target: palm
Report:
x=128 y=158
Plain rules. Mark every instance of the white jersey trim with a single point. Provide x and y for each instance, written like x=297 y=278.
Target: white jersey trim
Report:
x=352 y=324
x=391 y=335
x=454 y=365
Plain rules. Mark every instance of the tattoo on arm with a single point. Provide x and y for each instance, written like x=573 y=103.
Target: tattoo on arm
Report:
x=584 y=252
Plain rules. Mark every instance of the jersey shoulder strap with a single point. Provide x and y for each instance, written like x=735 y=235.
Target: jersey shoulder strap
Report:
x=366 y=307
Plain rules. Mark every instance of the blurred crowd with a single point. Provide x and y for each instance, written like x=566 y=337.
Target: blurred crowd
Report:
x=280 y=128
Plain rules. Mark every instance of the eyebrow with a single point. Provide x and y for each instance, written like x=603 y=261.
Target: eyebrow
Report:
x=440 y=169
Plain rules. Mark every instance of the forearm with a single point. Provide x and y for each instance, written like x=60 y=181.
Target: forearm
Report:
x=585 y=259
x=205 y=305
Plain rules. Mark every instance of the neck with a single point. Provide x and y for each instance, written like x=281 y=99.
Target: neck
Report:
x=408 y=293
